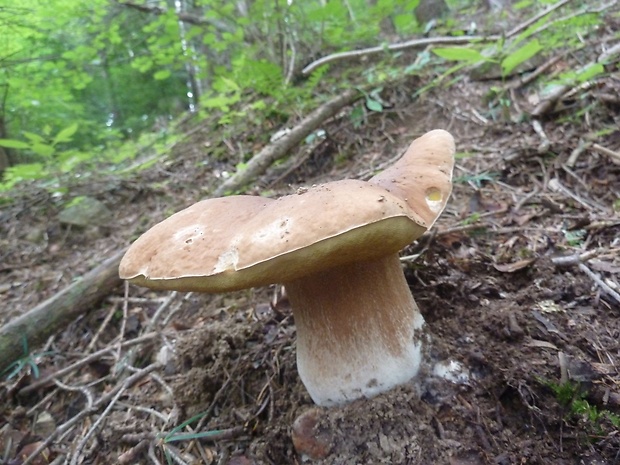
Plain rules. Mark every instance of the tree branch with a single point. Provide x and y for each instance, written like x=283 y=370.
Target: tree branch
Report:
x=446 y=40
x=185 y=17
x=272 y=152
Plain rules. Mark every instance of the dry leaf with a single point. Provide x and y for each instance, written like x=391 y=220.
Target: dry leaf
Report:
x=514 y=266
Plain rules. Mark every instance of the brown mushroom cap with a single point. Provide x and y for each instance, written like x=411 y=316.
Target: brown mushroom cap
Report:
x=423 y=175
x=238 y=242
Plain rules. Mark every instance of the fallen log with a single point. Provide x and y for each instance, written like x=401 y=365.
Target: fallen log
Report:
x=58 y=311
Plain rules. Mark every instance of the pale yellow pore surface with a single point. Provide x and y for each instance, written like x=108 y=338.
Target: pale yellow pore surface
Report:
x=423 y=175
x=237 y=242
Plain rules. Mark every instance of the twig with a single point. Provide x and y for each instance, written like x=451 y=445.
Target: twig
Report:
x=130 y=357
x=522 y=81
x=576 y=259
x=175 y=453
x=549 y=102
x=524 y=25
x=83 y=389
x=185 y=17
x=610 y=52
x=148 y=410
x=103 y=325
x=556 y=186
x=54 y=314
x=581 y=147
x=131 y=455
x=605 y=151
x=461 y=228
x=563 y=367
x=446 y=40
x=121 y=334
x=160 y=310
x=152 y=455
x=74 y=366
x=95 y=426
x=173 y=312
x=276 y=150
x=602 y=284
x=295 y=162
x=129 y=381
x=545 y=144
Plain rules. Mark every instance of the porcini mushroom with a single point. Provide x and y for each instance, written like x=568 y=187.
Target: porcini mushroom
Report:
x=335 y=248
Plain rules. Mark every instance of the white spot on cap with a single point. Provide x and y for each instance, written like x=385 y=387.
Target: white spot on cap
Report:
x=227 y=261
x=274 y=232
x=189 y=234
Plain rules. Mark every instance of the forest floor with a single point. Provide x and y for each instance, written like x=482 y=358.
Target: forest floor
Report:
x=538 y=335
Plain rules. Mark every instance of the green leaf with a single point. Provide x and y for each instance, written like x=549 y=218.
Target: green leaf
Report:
x=162 y=74
x=14 y=144
x=522 y=4
x=520 y=56
x=191 y=436
x=34 y=137
x=17 y=173
x=405 y=22
x=460 y=54
x=75 y=201
x=44 y=150
x=65 y=134
x=374 y=105
x=590 y=72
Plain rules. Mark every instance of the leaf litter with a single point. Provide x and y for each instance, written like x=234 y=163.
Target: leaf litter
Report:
x=186 y=378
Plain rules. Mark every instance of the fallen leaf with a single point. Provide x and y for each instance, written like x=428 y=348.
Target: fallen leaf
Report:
x=514 y=266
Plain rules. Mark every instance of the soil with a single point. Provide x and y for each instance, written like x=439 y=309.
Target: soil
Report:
x=537 y=339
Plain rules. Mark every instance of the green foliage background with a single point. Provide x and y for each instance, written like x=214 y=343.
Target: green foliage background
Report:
x=84 y=81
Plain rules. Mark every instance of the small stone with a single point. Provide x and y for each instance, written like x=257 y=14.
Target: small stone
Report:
x=85 y=211
x=307 y=438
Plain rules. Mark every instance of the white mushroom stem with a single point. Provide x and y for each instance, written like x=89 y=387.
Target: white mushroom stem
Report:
x=359 y=331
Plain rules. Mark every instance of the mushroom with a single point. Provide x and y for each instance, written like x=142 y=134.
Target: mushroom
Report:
x=335 y=249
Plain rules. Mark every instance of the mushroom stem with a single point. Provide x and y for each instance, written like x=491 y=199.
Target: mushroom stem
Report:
x=358 y=330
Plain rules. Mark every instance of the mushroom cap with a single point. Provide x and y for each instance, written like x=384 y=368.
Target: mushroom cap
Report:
x=423 y=175
x=237 y=242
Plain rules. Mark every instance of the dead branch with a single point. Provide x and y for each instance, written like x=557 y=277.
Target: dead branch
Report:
x=445 y=40
x=99 y=403
x=51 y=316
x=615 y=156
x=574 y=260
x=600 y=283
x=551 y=100
x=272 y=152
x=579 y=261
x=185 y=17
x=80 y=363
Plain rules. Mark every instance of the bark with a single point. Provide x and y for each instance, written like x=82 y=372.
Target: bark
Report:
x=57 y=312
x=4 y=153
x=276 y=150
